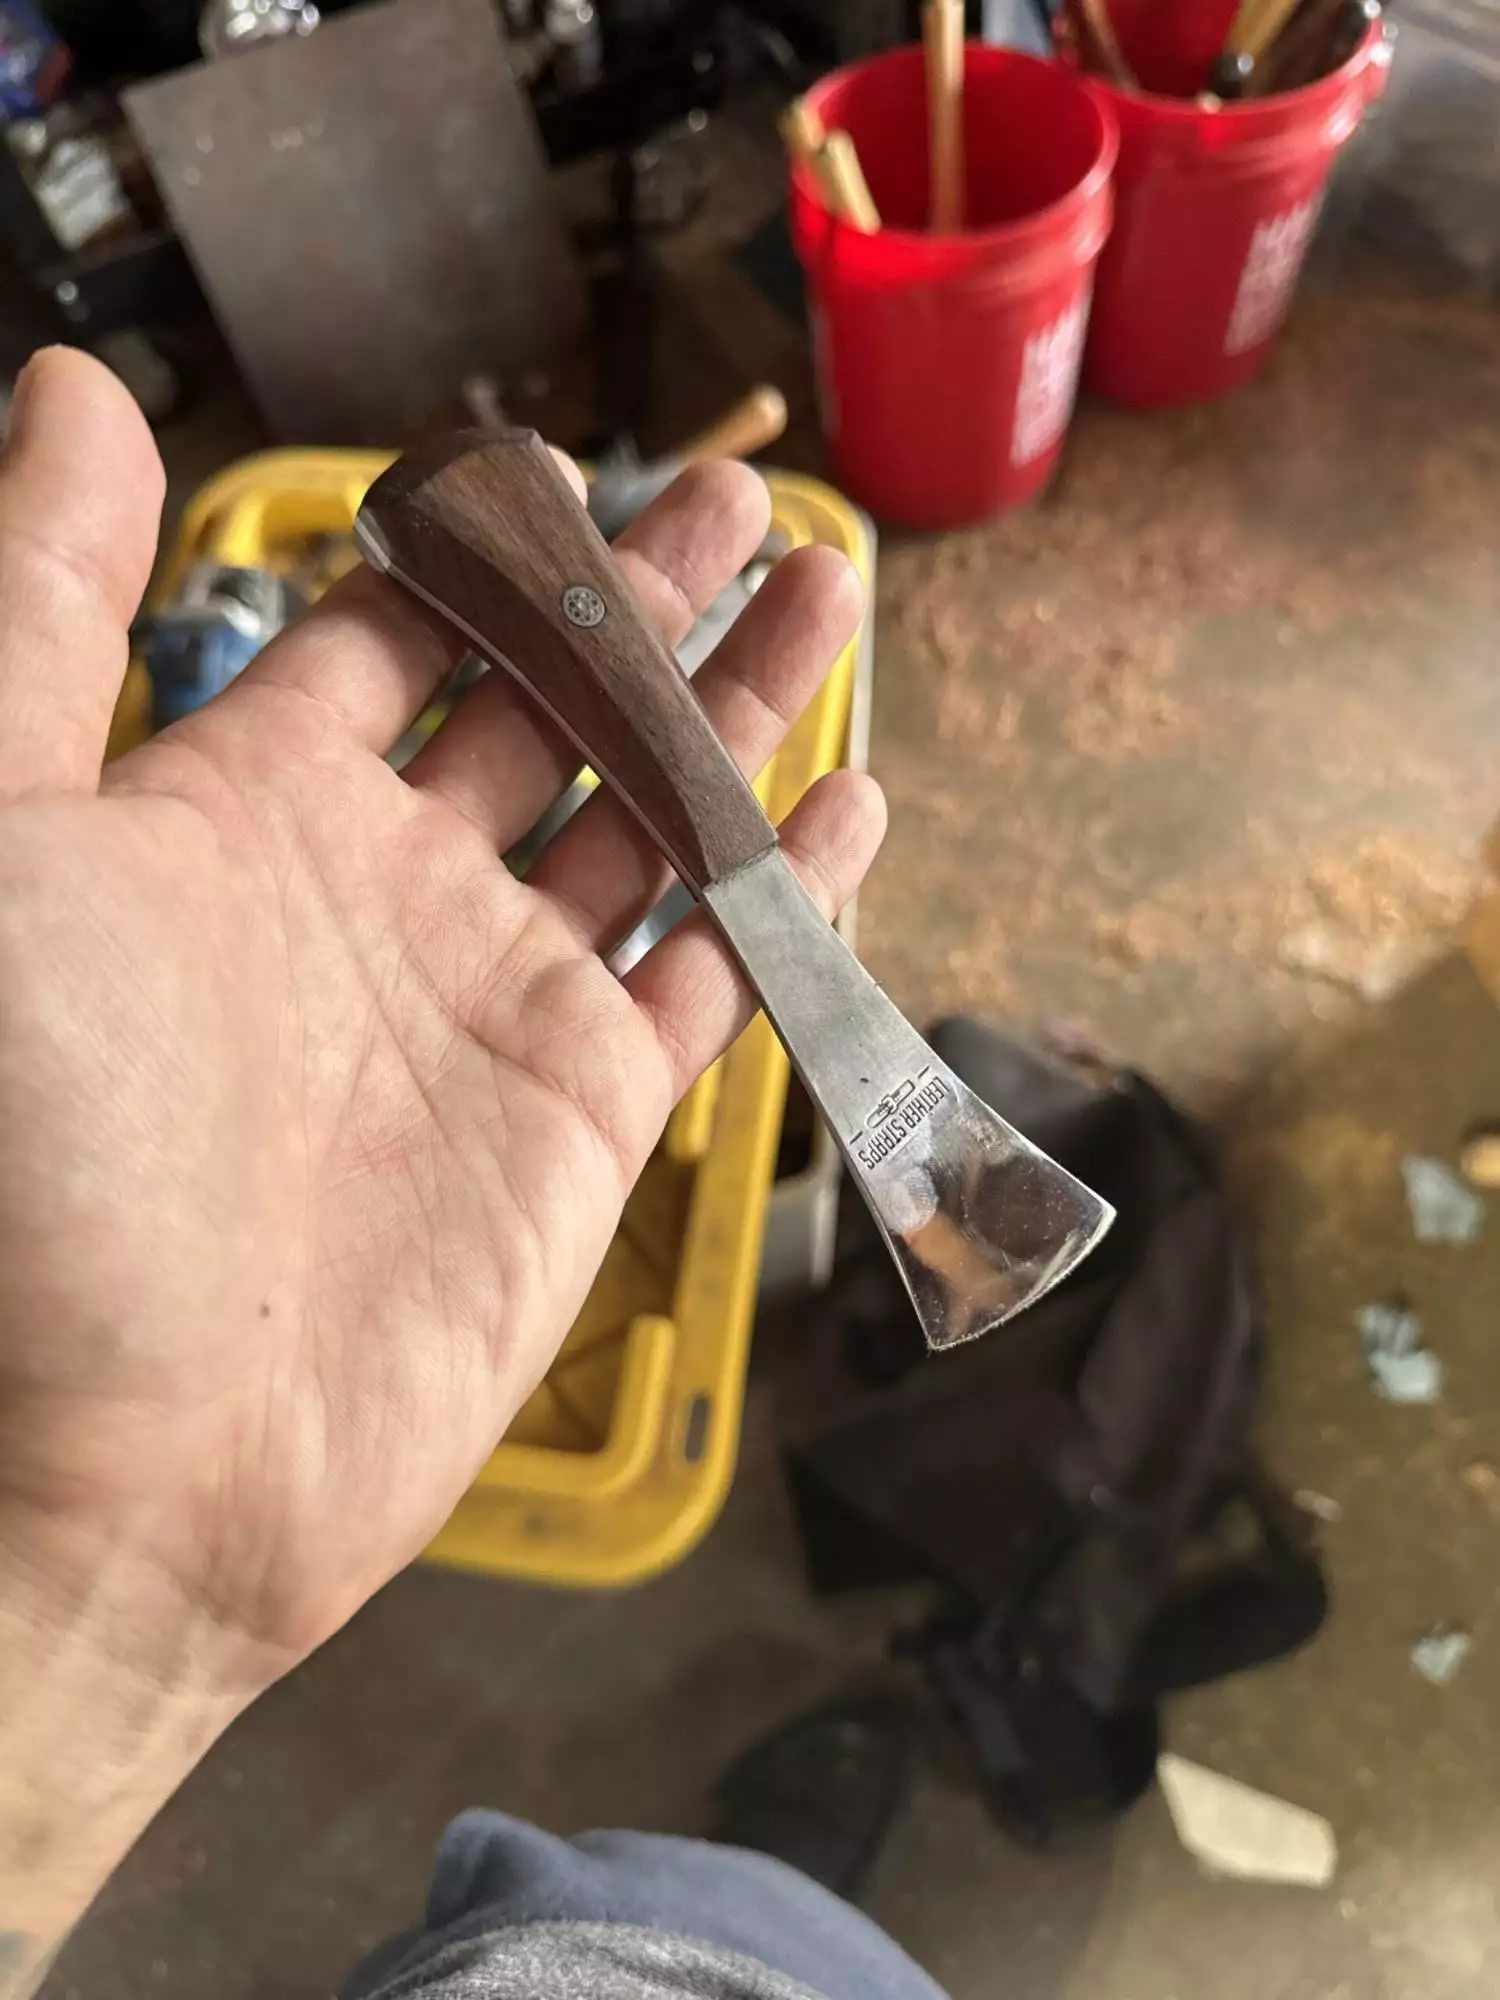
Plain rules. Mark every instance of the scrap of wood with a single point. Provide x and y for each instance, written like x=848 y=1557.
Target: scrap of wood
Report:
x=1232 y=1829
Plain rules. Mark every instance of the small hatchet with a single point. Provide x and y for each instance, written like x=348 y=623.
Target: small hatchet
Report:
x=484 y=528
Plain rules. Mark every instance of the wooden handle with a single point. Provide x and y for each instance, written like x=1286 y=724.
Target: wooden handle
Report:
x=483 y=526
x=846 y=177
x=831 y=159
x=1239 y=27
x=943 y=44
x=1308 y=47
x=807 y=142
x=802 y=129
x=1244 y=31
x=755 y=421
x=1107 y=44
x=1267 y=25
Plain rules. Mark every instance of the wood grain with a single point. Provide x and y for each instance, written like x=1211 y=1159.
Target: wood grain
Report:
x=483 y=526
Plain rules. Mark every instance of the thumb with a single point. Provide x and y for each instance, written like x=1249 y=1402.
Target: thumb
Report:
x=81 y=490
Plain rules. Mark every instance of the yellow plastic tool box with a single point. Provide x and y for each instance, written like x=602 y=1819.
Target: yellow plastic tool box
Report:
x=623 y=1457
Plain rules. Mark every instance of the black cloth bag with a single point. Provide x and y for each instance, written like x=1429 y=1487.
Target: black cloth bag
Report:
x=1079 y=1485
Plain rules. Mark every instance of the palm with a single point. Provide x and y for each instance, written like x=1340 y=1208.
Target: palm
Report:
x=314 y=1123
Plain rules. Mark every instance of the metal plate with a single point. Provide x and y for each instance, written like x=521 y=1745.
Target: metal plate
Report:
x=369 y=212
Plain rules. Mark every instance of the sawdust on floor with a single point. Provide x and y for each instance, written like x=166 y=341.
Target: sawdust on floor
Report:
x=1196 y=746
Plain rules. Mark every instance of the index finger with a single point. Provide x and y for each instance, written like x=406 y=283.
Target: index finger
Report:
x=369 y=652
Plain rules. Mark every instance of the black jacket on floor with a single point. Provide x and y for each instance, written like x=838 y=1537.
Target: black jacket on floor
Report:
x=1078 y=1485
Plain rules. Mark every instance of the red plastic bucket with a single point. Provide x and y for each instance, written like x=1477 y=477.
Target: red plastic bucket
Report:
x=947 y=365
x=1213 y=214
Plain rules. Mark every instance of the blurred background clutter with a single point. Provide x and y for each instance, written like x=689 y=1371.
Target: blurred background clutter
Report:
x=1143 y=356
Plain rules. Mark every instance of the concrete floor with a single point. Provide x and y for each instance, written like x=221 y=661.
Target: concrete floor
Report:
x=1189 y=753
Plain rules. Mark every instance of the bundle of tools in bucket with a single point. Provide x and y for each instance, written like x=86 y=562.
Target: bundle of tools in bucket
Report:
x=1271 y=46
x=833 y=162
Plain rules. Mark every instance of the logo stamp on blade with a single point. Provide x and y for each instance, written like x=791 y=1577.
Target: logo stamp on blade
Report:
x=898 y=1114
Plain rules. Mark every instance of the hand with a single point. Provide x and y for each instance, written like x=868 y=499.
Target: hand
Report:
x=314 y=1123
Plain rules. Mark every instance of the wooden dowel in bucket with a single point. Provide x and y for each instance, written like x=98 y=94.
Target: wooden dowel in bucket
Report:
x=832 y=161
x=1307 y=46
x=1266 y=26
x=1106 y=44
x=802 y=129
x=803 y=134
x=852 y=199
x=1234 y=72
x=1242 y=27
x=943 y=44
x=804 y=137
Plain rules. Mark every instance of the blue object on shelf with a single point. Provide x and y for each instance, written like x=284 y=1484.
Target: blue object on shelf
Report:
x=34 y=61
x=220 y=621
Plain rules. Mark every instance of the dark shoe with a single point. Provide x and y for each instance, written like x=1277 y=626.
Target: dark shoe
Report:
x=823 y=1792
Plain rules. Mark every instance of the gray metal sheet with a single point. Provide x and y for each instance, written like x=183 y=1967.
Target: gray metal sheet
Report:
x=369 y=212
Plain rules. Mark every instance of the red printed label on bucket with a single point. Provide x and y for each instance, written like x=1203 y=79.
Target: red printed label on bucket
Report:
x=1049 y=381
x=1271 y=267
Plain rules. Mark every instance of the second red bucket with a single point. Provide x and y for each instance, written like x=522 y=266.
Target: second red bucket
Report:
x=947 y=365
x=1215 y=207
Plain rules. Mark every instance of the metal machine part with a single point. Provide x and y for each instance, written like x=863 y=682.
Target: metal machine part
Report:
x=219 y=621
x=227 y=26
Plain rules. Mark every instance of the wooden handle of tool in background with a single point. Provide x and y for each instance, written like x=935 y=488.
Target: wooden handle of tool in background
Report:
x=1308 y=27
x=1242 y=26
x=806 y=141
x=851 y=198
x=1255 y=24
x=755 y=421
x=1267 y=25
x=802 y=130
x=1106 y=44
x=833 y=163
x=943 y=46
x=1310 y=45
x=487 y=531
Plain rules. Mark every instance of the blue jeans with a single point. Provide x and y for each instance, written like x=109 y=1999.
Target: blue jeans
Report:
x=494 y=1872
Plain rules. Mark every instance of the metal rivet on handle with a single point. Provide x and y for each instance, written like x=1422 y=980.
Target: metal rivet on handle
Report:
x=582 y=605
